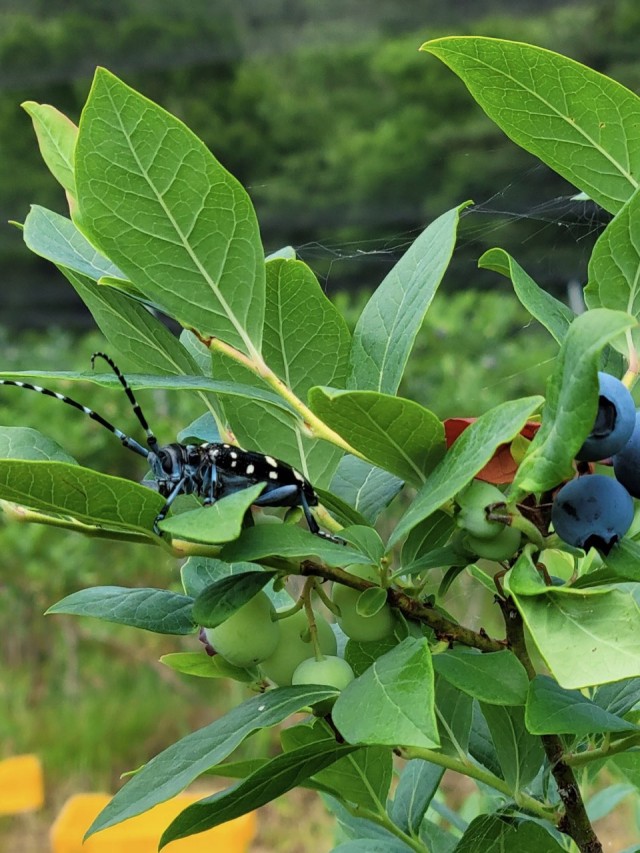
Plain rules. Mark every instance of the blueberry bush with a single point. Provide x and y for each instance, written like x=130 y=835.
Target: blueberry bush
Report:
x=530 y=504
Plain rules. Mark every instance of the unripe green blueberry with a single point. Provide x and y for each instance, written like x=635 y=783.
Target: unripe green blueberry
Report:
x=472 y=515
x=331 y=670
x=501 y=547
x=363 y=629
x=295 y=646
x=249 y=635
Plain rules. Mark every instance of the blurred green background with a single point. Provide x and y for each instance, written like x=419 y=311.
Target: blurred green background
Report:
x=350 y=141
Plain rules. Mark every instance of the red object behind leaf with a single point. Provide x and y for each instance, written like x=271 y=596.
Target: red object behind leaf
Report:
x=502 y=467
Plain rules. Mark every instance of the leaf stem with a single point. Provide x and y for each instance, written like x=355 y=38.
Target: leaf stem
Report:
x=382 y=819
x=580 y=759
x=474 y=771
x=256 y=364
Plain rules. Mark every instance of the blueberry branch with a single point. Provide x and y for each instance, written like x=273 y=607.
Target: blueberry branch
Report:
x=575 y=821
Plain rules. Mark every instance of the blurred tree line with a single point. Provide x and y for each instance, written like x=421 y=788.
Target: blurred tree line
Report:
x=348 y=138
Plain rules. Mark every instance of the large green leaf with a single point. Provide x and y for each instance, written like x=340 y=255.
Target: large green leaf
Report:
x=144 y=381
x=497 y=678
x=173 y=769
x=572 y=401
x=200 y=665
x=160 y=206
x=366 y=488
x=553 y=710
x=614 y=266
x=520 y=754
x=387 y=327
x=363 y=777
x=398 y=694
x=468 y=455
x=572 y=628
x=57 y=239
x=81 y=494
x=554 y=315
x=56 y=136
x=268 y=782
x=211 y=525
x=579 y=122
x=496 y=834
x=25 y=443
x=285 y=540
x=396 y=434
x=306 y=343
x=417 y=786
x=155 y=610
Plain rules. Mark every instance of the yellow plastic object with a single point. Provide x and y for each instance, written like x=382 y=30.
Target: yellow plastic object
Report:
x=21 y=784
x=141 y=834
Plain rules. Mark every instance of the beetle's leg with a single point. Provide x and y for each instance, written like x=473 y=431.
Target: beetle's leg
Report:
x=275 y=497
x=173 y=494
x=209 y=484
x=314 y=527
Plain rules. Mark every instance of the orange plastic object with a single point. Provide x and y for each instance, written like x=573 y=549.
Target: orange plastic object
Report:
x=141 y=834
x=21 y=784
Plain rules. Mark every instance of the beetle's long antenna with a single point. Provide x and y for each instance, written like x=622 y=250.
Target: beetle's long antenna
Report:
x=152 y=441
x=126 y=440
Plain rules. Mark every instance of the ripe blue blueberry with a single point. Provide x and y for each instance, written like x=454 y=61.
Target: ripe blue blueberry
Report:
x=626 y=463
x=592 y=512
x=614 y=422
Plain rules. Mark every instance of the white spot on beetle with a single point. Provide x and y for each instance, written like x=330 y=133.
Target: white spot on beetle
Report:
x=234 y=463
x=21 y=384
x=271 y=461
x=233 y=454
x=298 y=475
x=273 y=475
x=250 y=469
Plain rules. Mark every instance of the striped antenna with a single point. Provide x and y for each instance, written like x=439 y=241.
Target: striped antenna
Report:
x=152 y=441
x=128 y=442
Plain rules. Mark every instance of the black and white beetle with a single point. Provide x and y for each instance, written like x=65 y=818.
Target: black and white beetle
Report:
x=209 y=470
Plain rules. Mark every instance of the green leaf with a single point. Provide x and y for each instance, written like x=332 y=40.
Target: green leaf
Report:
x=285 y=540
x=429 y=535
x=520 y=754
x=133 y=330
x=497 y=678
x=417 y=786
x=572 y=630
x=366 y=488
x=454 y=712
x=371 y=601
x=143 y=381
x=367 y=540
x=270 y=781
x=621 y=565
x=388 y=326
x=306 y=343
x=553 y=710
x=572 y=402
x=468 y=455
x=397 y=691
x=605 y=801
x=393 y=433
x=173 y=769
x=554 y=315
x=614 y=266
x=56 y=136
x=340 y=510
x=203 y=428
x=82 y=494
x=212 y=525
x=363 y=777
x=620 y=697
x=158 y=204
x=360 y=656
x=201 y=665
x=496 y=834
x=200 y=572
x=217 y=602
x=368 y=845
x=57 y=239
x=577 y=121
x=155 y=610
x=25 y=443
